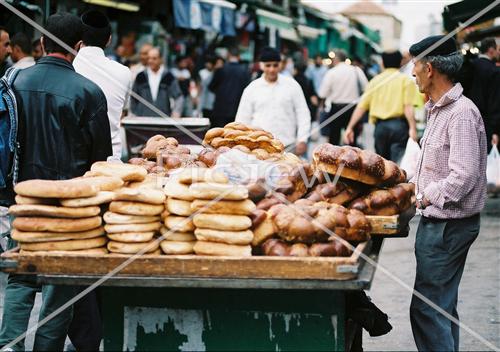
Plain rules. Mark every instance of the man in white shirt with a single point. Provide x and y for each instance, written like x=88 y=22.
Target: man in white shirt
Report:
x=21 y=49
x=277 y=104
x=342 y=85
x=113 y=78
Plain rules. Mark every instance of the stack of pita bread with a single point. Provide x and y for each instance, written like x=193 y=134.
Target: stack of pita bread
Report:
x=62 y=215
x=221 y=215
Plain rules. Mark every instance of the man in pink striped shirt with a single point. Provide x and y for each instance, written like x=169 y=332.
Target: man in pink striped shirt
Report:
x=451 y=191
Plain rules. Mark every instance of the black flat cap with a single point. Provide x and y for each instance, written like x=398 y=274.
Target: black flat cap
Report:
x=269 y=54
x=449 y=46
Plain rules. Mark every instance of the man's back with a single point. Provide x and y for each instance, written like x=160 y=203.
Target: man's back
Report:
x=63 y=123
x=343 y=84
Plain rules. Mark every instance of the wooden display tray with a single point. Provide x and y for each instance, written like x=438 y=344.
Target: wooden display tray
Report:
x=391 y=226
x=256 y=267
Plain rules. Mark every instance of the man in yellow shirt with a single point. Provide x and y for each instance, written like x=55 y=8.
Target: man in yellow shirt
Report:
x=390 y=98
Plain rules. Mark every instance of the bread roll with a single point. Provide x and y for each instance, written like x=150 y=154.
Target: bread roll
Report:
x=175 y=247
x=115 y=218
x=222 y=222
x=218 y=191
x=179 y=223
x=90 y=251
x=236 y=207
x=170 y=235
x=164 y=215
x=179 y=207
x=104 y=183
x=222 y=249
x=191 y=175
x=56 y=189
x=229 y=237
x=177 y=190
x=117 y=228
x=127 y=172
x=35 y=224
x=135 y=208
x=133 y=248
x=264 y=231
x=151 y=181
x=102 y=197
x=53 y=211
x=131 y=237
x=141 y=194
x=32 y=200
x=70 y=245
x=22 y=236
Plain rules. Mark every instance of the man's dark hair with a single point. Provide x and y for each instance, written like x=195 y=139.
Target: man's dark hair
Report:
x=96 y=29
x=486 y=44
x=392 y=60
x=3 y=29
x=234 y=51
x=66 y=27
x=35 y=43
x=22 y=41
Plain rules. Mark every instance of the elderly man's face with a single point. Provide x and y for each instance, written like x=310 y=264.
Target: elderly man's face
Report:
x=422 y=73
x=143 y=54
x=5 y=48
x=271 y=70
x=154 y=60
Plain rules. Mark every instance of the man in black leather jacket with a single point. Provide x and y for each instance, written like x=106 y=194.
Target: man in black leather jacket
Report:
x=63 y=129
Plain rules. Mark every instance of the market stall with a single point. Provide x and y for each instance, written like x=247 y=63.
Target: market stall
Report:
x=189 y=253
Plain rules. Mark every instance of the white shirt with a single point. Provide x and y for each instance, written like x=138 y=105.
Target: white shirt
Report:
x=279 y=107
x=154 y=79
x=25 y=62
x=342 y=84
x=114 y=79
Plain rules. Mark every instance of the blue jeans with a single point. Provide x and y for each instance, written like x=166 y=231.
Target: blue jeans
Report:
x=441 y=249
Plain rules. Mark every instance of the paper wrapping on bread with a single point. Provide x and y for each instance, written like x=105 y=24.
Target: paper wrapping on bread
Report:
x=356 y=164
x=391 y=201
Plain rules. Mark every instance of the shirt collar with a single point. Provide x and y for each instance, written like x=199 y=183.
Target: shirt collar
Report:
x=91 y=51
x=26 y=59
x=159 y=72
x=449 y=97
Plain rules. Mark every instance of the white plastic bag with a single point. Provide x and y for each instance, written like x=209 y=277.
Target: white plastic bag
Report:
x=493 y=170
x=410 y=158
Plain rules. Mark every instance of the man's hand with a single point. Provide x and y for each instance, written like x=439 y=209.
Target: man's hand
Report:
x=175 y=115
x=413 y=134
x=349 y=136
x=300 y=148
x=494 y=139
x=425 y=202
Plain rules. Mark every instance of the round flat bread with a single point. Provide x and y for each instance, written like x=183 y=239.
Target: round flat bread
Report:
x=53 y=211
x=235 y=207
x=71 y=245
x=179 y=223
x=200 y=174
x=104 y=183
x=222 y=249
x=178 y=207
x=151 y=181
x=115 y=218
x=141 y=194
x=169 y=235
x=218 y=191
x=36 y=224
x=127 y=172
x=117 y=228
x=177 y=190
x=91 y=251
x=229 y=237
x=23 y=236
x=56 y=189
x=32 y=200
x=173 y=247
x=164 y=215
x=136 y=208
x=133 y=248
x=222 y=222
x=132 y=237
x=102 y=197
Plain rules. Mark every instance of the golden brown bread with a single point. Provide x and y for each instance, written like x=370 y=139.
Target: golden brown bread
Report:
x=133 y=248
x=191 y=175
x=135 y=208
x=223 y=222
x=53 y=211
x=115 y=218
x=132 y=237
x=141 y=194
x=69 y=245
x=391 y=201
x=102 y=197
x=104 y=183
x=23 y=200
x=37 y=224
x=293 y=180
x=236 y=207
x=23 y=236
x=146 y=227
x=277 y=247
x=156 y=143
x=357 y=164
x=340 y=192
x=127 y=172
x=230 y=237
x=56 y=189
x=218 y=191
x=222 y=249
x=177 y=247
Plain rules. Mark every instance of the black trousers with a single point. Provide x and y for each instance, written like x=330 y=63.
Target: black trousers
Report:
x=85 y=330
x=339 y=122
x=391 y=137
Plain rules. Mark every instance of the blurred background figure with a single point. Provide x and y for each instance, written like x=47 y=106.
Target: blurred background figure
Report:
x=183 y=77
x=228 y=84
x=143 y=60
x=207 y=98
x=20 y=46
x=316 y=72
x=286 y=66
x=157 y=86
x=5 y=49
x=307 y=88
x=36 y=49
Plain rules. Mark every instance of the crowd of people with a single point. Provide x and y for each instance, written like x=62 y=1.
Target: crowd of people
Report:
x=84 y=95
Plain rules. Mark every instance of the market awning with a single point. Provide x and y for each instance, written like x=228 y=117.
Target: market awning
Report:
x=310 y=32
x=360 y=35
x=459 y=12
x=209 y=15
x=282 y=24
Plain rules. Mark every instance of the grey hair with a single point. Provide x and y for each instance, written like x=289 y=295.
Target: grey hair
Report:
x=447 y=65
x=340 y=55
